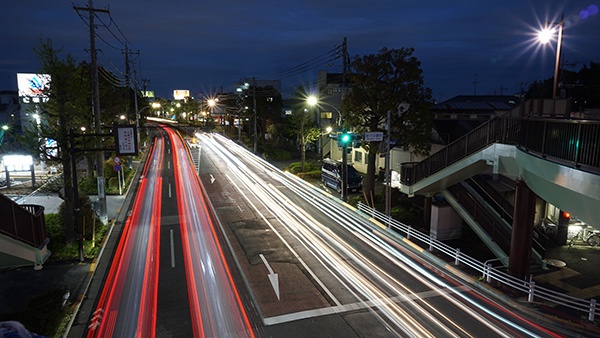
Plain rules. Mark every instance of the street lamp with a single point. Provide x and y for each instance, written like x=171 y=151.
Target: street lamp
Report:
x=343 y=140
x=544 y=36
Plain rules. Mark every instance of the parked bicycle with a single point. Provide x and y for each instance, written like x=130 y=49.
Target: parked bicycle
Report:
x=586 y=235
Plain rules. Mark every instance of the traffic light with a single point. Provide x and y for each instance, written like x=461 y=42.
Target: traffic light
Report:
x=344 y=139
x=347 y=138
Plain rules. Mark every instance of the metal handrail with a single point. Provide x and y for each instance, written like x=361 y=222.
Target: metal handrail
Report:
x=487 y=271
x=572 y=143
x=25 y=223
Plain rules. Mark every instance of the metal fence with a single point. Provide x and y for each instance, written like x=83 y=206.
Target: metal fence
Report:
x=487 y=271
x=23 y=222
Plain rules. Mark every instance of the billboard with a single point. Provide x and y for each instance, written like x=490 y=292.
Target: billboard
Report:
x=180 y=94
x=32 y=86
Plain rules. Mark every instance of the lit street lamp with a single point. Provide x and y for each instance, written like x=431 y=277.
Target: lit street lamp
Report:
x=314 y=101
x=544 y=36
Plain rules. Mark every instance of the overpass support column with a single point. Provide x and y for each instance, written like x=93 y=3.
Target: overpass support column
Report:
x=522 y=231
x=563 y=228
x=427 y=214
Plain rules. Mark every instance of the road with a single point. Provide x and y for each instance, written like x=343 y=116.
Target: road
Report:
x=169 y=276
x=220 y=243
x=334 y=266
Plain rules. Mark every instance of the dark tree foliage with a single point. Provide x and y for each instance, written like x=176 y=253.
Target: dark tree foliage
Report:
x=391 y=80
x=268 y=108
x=581 y=87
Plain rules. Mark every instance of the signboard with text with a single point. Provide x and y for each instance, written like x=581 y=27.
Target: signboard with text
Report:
x=126 y=140
x=373 y=136
x=33 y=87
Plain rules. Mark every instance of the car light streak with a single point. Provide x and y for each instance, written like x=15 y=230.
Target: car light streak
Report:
x=217 y=310
x=334 y=253
x=129 y=297
x=337 y=261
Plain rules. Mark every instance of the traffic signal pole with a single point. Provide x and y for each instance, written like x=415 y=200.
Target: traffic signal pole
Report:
x=344 y=172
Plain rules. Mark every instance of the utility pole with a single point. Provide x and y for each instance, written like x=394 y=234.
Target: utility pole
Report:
x=388 y=172
x=135 y=92
x=96 y=106
x=255 y=113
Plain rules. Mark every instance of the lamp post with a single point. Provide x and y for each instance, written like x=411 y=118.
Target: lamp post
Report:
x=544 y=36
x=153 y=105
x=314 y=101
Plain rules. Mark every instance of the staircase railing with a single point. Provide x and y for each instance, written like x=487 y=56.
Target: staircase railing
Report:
x=22 y=222
x=574 y=143
x=500 y=129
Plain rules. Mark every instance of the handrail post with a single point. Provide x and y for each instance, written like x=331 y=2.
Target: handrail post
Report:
x=457 y=256
x=577 y=144
x=531 y=291
x=592 y=310
x=408 y=232
x=430 y=243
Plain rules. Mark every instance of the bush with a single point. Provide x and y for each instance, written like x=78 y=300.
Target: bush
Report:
x=55 y=226
x=44 y=313
x=310 y=175
x=276 y=154
x=296 y=168
x=88 y=186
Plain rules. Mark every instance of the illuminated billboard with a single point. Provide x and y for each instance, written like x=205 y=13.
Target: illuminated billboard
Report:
x=180 y=94
x=17 y=162
x=148 y=93
x=32 y=86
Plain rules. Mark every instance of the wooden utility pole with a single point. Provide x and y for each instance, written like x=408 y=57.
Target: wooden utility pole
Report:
x=96 y=107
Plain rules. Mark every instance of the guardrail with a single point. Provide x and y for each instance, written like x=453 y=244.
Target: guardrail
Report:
x=487 y=271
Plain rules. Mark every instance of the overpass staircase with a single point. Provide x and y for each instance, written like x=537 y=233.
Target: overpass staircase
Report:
x=23 y=239
x=559 y=159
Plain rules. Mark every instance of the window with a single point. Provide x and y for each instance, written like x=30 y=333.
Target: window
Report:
x=357 y=156
x=325 y=115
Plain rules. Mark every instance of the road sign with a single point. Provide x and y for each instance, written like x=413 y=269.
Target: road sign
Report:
x=374 y=136
x=117 y=167
x=117 y=160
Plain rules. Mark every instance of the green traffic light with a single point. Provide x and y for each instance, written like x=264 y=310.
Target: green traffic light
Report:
x=346 y=138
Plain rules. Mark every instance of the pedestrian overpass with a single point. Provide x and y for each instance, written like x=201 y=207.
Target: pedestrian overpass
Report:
x=557 y=159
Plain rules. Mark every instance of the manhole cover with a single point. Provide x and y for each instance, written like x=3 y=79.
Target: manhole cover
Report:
x=555 y=262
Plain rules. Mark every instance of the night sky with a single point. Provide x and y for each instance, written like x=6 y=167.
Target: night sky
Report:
x=465 y=46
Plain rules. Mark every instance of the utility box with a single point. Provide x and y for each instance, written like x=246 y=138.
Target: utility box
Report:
x=446 y=223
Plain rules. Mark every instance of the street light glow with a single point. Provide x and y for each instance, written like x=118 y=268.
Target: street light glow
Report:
x=546 y=34
x=312 y=100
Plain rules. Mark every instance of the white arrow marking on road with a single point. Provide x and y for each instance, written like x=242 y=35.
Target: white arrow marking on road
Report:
x=273 y=278
x=212 y=179
x=96 y=319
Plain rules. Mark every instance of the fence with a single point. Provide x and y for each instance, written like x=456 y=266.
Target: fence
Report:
x=487 y=271
x=23 y=222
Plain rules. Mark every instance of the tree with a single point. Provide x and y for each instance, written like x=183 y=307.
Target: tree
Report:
x=68 y=102
x=391 y=80
x=301 y=124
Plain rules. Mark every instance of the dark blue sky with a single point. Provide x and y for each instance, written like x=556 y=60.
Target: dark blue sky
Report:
x=206 y=45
